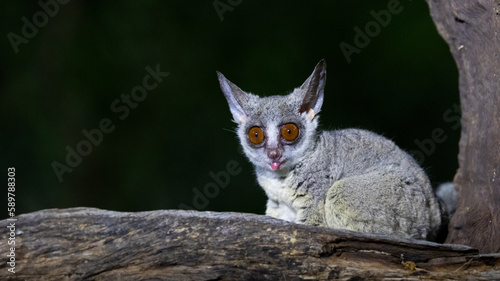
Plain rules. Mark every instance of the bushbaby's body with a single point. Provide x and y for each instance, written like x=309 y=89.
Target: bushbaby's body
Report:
x=362 y=182
x=348 y=179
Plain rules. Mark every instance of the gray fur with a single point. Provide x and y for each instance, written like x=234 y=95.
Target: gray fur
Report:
x=348 y=179
x=449 y=196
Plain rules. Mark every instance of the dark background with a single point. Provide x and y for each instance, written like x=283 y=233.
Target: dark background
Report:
x=65 y=78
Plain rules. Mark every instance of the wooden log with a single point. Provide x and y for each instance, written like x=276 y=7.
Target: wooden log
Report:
x=93 y=244
x=472 y=30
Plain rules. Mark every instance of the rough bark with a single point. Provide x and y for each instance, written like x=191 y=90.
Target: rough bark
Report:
x=472 y=30
x=93 y=244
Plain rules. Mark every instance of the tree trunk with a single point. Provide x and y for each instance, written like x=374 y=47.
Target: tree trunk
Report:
x=93 y=244
x=472 y=30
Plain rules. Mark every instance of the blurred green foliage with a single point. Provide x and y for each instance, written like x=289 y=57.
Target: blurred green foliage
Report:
x=65 y=78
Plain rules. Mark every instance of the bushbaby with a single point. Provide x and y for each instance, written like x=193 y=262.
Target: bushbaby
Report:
x=348 y=179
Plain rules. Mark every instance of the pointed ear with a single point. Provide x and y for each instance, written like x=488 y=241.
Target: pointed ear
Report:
x=313 y=89
x=235 y=98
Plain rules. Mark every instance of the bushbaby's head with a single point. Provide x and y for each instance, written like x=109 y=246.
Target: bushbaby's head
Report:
x=276 y=131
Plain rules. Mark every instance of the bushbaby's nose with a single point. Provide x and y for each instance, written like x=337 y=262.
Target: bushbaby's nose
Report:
x=274 y=153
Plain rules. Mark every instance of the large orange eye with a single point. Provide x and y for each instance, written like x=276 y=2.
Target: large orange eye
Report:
x=256 y=135
x=290 y=132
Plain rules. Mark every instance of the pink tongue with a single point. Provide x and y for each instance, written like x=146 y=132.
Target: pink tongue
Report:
x=275 y=165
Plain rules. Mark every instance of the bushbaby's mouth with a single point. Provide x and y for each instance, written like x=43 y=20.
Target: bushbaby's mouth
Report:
x=276 y=165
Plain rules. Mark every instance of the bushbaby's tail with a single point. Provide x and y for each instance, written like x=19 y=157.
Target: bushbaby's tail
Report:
x=448 y=195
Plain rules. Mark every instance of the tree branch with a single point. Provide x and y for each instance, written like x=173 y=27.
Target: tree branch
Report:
x=93 y=244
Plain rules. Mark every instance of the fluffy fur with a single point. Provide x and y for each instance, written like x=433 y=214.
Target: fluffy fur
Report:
x=348 y=179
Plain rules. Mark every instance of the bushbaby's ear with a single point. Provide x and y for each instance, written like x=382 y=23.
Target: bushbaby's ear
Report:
x=313 y=89
x=235 y=98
